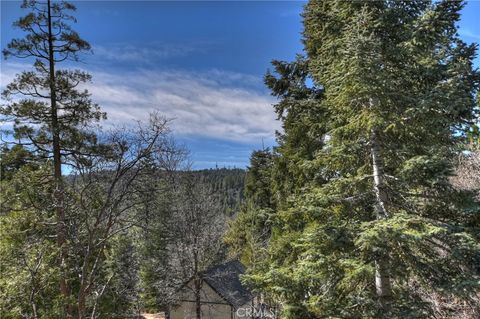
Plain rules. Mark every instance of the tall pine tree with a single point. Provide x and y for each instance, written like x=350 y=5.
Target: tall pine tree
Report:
x=374 y=228
x=50 y=113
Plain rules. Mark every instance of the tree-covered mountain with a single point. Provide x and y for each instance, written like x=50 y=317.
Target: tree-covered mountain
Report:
x=228 y=184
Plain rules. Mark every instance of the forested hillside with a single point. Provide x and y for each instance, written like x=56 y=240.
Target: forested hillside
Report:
x=228 y=184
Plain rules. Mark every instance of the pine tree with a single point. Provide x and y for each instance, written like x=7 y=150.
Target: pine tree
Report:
x=121 y=300
x=250 y=229
x=28 y=285
x=13 y=158
x=50 y=114
x=374 y=229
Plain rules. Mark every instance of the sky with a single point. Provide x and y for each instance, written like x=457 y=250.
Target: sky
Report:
x=199 y=63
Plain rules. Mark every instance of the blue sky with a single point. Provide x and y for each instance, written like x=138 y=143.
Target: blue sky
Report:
x=199 y=63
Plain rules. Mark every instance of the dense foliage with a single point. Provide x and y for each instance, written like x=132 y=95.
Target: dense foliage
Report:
x=361 y=219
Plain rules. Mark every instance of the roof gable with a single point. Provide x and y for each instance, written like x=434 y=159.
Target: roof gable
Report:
x=225 y=280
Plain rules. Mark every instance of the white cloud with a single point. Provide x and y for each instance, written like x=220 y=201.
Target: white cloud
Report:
x=199 y=103
x=8 y=71
x=125 y=52
x=214 y=104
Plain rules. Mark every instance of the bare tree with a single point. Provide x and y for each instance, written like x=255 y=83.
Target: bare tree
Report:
x=466 y=178
x=197 y=226
x=104 y=198
x=467 y=174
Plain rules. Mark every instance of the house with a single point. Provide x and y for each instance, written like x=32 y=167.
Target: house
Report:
x=222 y=296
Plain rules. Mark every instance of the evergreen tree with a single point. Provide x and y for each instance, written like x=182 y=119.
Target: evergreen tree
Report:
x=370 y=226
x=28 y=283
x=50 y=114
x=303 y=122
x=13 y=158
x=275 y=175
x=248 y=232
x=121 y=300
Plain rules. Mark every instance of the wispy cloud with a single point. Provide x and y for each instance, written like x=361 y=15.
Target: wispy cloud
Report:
x=200 y=103
x=126 y=52
x=215 y=104
x=8 y=71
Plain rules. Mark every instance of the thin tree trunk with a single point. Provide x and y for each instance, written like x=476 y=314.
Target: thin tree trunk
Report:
x=198 y=304
x=57 y=164
x=197 y=283
x=33 y=292
x=81 y=305
x=382 y=277
x=33 y=304
x=93 y=314
x=167 y=312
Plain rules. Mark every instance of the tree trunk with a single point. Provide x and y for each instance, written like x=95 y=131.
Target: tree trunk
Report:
x=33 y=304
x=57 y=164
x=81 y=305
x=197 y=282
x=167 y=312
x=382 y=277
x=198 y=304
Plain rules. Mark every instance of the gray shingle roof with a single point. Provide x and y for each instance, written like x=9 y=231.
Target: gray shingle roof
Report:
x=225 y=280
